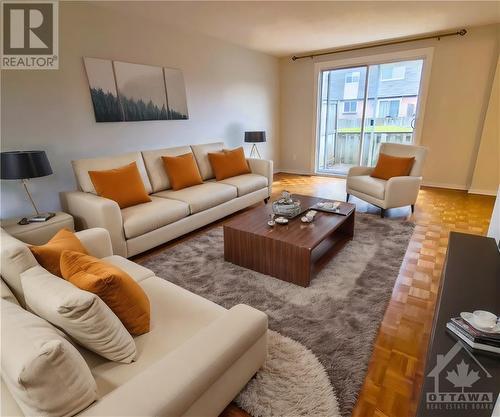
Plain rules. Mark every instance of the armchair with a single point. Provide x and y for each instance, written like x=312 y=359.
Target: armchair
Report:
x=395 y=192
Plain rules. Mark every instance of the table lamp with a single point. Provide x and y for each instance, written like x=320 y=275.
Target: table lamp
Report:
x=23 y=165
x=253 y=138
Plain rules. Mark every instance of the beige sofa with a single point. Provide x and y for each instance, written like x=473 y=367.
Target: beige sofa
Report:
x=171 y=213
x=193 y=362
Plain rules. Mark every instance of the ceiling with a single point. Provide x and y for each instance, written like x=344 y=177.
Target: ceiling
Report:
x=284 y=28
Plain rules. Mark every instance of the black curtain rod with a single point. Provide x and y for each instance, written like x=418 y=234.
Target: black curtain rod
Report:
x=437 y=36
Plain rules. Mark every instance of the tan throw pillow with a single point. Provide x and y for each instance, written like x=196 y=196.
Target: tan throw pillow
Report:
x=123 y=185
x=81 y=314
x=182 y=171
x=392 y=166
x=115 y=287
x=49 y=255
x=43 y=371
x=229 y=163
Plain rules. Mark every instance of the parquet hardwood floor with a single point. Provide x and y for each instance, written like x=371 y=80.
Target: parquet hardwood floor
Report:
x=395 y=373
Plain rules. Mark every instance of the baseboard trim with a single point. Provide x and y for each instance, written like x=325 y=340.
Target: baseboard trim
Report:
x=482 y=192
x=444 y=185
x=293 y=171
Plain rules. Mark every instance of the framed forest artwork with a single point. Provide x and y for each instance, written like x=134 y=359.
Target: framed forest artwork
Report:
x=123 y=92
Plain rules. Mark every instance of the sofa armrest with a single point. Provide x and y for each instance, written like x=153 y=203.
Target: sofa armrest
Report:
x=97 y=242
x=170 y=386
x=401 y=191
x=263 y=167
x=90 y=210
x=360 y=170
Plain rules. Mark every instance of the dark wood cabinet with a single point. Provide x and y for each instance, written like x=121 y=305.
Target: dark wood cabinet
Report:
x=471 y=281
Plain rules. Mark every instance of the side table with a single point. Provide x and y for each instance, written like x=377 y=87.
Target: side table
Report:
x=38 y=233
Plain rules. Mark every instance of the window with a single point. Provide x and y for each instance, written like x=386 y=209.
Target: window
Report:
x=391 y=72
x=350 y=106
x=388 y=108
x=410 y=110
x=352 y=77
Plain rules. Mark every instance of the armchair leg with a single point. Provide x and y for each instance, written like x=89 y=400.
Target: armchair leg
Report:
x=266 y=200
x=382 y=212
x=347 y=198
x=413 y=208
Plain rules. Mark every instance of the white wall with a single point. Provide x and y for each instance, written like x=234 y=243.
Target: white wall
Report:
x=459 y=89
x=229 y=90
x=487 y=170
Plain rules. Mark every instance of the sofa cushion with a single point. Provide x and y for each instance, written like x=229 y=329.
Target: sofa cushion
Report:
x=115 y=287
x=42 y=369
x=6 y=293
x=82 y=167
x=143 y=218
x=201 y=155
x=136 y=271
x=122 y=185
x=182 y=171
x=202 y=197
x=368 y=185
x=247 y=183
x=154 y=165
x=81 y=314
x=15 y=258
x=172 y=323
x=49 y=255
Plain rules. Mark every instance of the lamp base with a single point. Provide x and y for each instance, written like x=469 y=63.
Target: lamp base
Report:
x=39 y=218
x=254 y=153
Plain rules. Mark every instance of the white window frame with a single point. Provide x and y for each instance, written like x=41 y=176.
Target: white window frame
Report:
x=393 y=78
x=350 y=111
x=405 y=55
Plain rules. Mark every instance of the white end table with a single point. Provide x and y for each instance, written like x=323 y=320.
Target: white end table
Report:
x=38 y=233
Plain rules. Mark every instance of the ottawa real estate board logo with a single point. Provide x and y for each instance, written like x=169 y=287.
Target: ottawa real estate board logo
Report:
x=455 y=377
x=30 y=35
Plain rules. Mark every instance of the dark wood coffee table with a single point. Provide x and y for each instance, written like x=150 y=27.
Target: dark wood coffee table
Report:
x=292 y=252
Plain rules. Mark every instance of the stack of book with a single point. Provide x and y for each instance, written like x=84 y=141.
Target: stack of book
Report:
x=476 y=339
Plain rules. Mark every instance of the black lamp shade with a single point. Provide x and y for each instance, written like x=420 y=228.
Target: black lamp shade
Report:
x=255 y=137
x=19 y=165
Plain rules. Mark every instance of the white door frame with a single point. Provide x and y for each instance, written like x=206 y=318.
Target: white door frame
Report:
x=421 y=53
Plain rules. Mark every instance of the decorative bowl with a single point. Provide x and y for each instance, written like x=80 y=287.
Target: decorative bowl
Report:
x=286 y=208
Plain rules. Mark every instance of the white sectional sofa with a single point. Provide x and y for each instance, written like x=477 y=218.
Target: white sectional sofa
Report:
x=193 y=362
x=170 y=214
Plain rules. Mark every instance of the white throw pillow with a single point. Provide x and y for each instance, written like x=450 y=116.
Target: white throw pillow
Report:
x=44 y=372
x=81 y=314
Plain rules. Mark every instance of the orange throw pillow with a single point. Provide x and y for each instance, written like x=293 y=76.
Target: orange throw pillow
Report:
x=228 y=163
x=182 y=171
x=49 y=255
x=116 y=288
x=392 y=166
x=123 y=185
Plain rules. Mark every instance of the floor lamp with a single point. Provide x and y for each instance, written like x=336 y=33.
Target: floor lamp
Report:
x=253 y=138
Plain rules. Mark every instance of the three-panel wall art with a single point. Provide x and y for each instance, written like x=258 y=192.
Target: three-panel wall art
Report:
x=125 y=92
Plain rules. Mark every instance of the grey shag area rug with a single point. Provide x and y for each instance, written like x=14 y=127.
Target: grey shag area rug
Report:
x=336 y=317
x=292 y=383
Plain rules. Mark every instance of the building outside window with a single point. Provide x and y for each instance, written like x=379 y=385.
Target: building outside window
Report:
x=388 y=108
x=350 y=106
x=392 y=72
x=352 y=77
